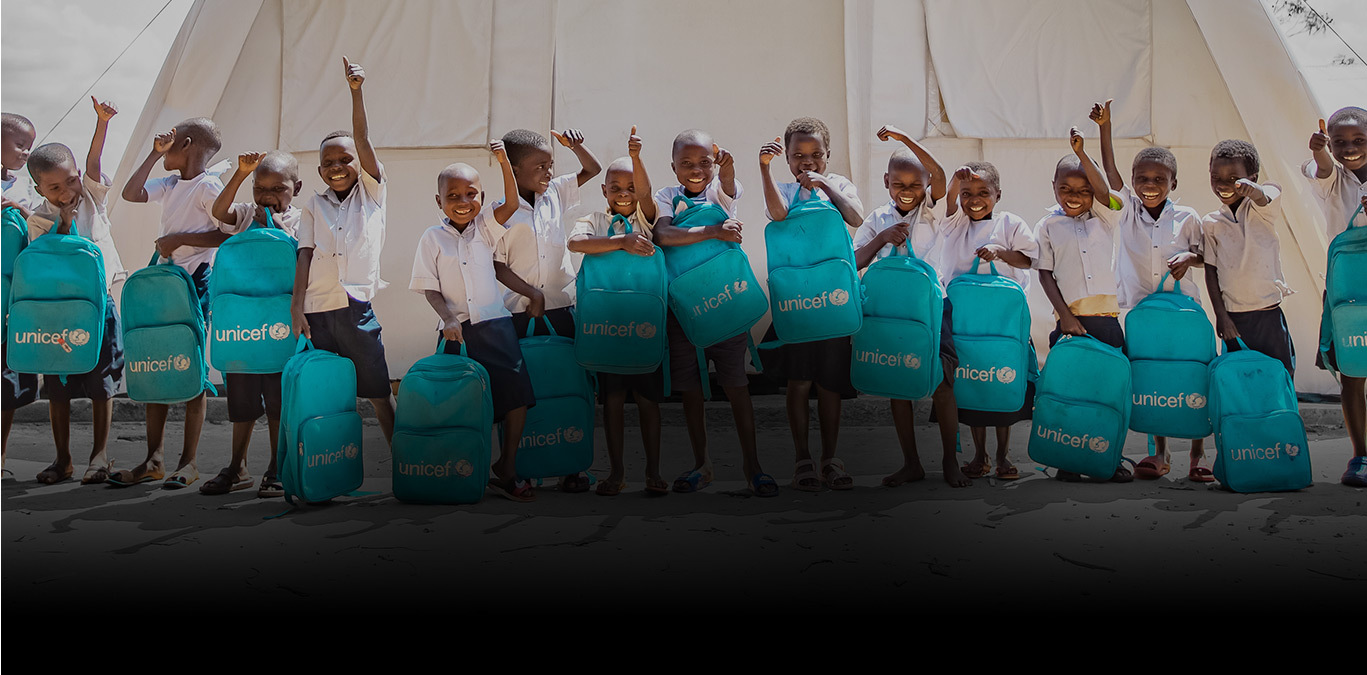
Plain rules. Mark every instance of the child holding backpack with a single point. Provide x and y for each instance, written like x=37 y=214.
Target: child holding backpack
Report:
x=806 y=147
x=75 y=204
x=16 y=139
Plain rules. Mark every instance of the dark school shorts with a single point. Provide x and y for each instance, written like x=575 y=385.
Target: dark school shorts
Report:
x=251 y=395
x=1265 y=330
x=727 y=357
x=1104 y=328
x=354 y=332
x=493 y=344
x=102 y=382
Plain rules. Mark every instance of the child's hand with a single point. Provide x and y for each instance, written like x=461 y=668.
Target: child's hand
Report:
x=723 y=158
x=1101 y=114
x=730 y=231
x=500 y=153
x=104 y=109
x=1180 y=263
x=1224 y=327
x=1075 y=140
x=895 y=235
x=167 y=244
x=570 y=138
x=1246 y=188
x=638 y=244
x=1069 y=325
x=811 y=180
x=248 y=161
x=965 y=174
x=770 y=150
x=536 y=305
x=1320 y=139
x=634 y=144
x=260 y=216
x=66 y=215
x=891 y=133
x=451 y=331
x=990 y=252
x=355 y=74
x=298 y=323
x=162 y=142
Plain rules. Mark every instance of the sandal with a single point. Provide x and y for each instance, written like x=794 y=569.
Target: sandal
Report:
x=805 y=477
x=834 y=476
x=1200 y=474
x=763 y=485
x=1151 y=468
x=181 y=479
x=1356 y=475
x=982 y=470
x=271 y=487
x=96 y=474
x=656 y=487
x=608 y=488
x=691 y=481
x=125 y=478
x=517 y=490
x=52 y=475
x=225 y=482
x=1008 y=473
x=574 y=483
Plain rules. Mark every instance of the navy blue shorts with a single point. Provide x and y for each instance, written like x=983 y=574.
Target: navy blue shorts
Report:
x=1104 y=328
x=493 y=344
x=650 y=386
x=727 y=357
x=201 y=279
x=825 y=362
x=102 y=382
x=949 y=356
x=354 y=332
x=1265 y=330
x=561 y=318
x=251 y=395
x=21 y=389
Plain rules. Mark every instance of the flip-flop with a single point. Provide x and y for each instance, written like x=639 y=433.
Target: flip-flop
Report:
x=834 y=476
x=54 y=476
x=181 y=479
x=805 y=477
x=1008 y=473
x=121 y=478
x=6 y=474
x=1200 y=474
x=656 y=487
x=520 y=491
x=983 y=470
x=690 y=481
x=580 y=483
x=763 y=485
x=96 y=474
x=1151 y=468
x=1356 y=475
x=225 y=482
x=608 y=488
x=271 y=487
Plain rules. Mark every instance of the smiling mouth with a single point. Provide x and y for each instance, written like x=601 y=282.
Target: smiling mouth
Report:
x=695 y=180
x=1072 y=206
x=977 y=209
x=1149 y=196
x=623 y=204
x=337 y=177
x=1351 y=158
x=1225 y=195
x=461 y=212
x=907 y=200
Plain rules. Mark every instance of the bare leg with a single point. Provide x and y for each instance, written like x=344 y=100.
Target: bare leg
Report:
x=903 y=421
x=1160 y=449
x=506 y=465
x=1003 y=446
x=697 y=431
x=828 y=413
x=613 y=423
x=59 y=416
x=273 y=423
x=102 y=419
x=384 y=412
x=4 y=447
x=649 y=412
x=242 y=440
x=980 y=463
x=194 y=424
x=798 y=415
x=156 y=436
x=1355 y=412
x=947 y=413
x=743 y=410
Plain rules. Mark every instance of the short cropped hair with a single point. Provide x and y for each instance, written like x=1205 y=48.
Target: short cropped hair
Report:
x=519 y=142
x=340 y=133
x=283 y=163
x=1069 y=164
x=988 y=172
x=620 y=164
x=1236 y=149
x=810 y=126
x=48 y=157
x=690 y=137
x=1349 y=114
x=1156 y=155
x=12 y=123
x=905 y=159
x=203 y=132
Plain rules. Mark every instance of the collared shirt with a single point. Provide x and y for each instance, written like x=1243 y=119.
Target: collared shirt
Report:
x=347 y=236
x=19 y=189
x=600 y=224
x=924 y=236
x=1244 y=247
x=536 y=245
x=841 y=184
x=1080 y=252
x=91 y=222
x=461 y=266
x=664 y=198
x=963 y=237
x=288 y=220
x=187 y=207
x=1147 y=244
x=1339 y=195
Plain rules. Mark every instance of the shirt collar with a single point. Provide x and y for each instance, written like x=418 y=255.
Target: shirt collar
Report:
x=469 y=232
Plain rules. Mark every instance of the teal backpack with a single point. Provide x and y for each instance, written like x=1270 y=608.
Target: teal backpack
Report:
x=991 y=326
x=1170 y=343
x=13 y=239
x=712 y=289
x=896 y=352
x=443 y=424
x=558 y=437
x=319 y=452
x=1082 y=408
x=249 y=296
x=620 y=310
x=163 y=335
x=813 y=284
x=57 y=306
x=1259 y=434
x=1343 y=324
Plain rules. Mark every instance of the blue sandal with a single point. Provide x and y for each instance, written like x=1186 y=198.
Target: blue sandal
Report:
x=690 y=481
x=1356 y=475
x=763 y=485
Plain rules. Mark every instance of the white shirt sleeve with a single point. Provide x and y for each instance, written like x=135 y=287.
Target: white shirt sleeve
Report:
x=425 y=275
x=1045 y=259
x=306 y=221
x=567 y=189
x=1023 y=239
x=157 y=188
x=585 y=227
x=376 y=188
x=244 y=212
x=99 y=187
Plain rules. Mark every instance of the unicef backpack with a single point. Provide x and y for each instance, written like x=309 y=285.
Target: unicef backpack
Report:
x=1259 y=434
x=813 y=283
x=1343 y=324
x=558 y=437
x=319 y=452
x=443 y=423
x=163 y=335
x=1082 y=407
x=620 y=309
x=712 y=289
x=1170 y=343
x=896 y=352
x=991 y=327
x=57 y=306
x=250 y=295
x=13 y=239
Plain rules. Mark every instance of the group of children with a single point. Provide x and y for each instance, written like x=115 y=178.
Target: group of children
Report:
x=491 y=272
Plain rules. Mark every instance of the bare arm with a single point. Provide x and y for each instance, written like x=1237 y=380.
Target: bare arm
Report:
x=511 y=200
x=223 y=204
x=303 y=263
x=104 y=110
x=937 y=172
x=952 y=193
x=135 y=190
x=1101 y=114
x=588 y=163
x=726 y=170
x=1253 y=191
x=1067 y=322
x=640 y=179
x=1101 y=192
x=773 y=201
x=450 y=327
x=1319 y=148
x=895 y=235
x=516 y=284
x=842 y=204
x=666 y=234
x=360 y=127
x=1224 y=326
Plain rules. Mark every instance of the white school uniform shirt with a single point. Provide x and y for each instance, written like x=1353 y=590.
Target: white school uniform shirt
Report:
x=600 y=224
x=1079 y=251
x=536 y=238
x=664 y=198
x=461 y=266
x=288 y=220
x=347 y=236
x=19 y=189
x=1339 y=195
x=187 y=207
x=1244 y=247
x=1147 y=244
x=788 y=191
x=924 y=236
x=91 y=222
x=962 y=237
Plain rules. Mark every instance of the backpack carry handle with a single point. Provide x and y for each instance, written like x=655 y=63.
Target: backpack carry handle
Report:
x=626 y=224
x=991 y=264
x=303 y=345
x=531 y=326
x=1243 y=347
x=1354 y=216
x=157 y=259
x=441 y=347
x=1176 y=283
x=270 y=221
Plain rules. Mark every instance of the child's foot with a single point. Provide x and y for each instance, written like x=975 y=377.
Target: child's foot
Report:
x=1200 y=474
x=909 y=473
x=181 y=478
x=142 y=473
x=1006 y=470
x=54 y=474
x=1152 y=467
x=977 y=467
x=763 y=485
x=512 y=488
x=954 y=476
x=1356 y=475
x=576 y=483
x=656 y=486
x=271 y=487
x=227 y=480
x=96 y=473
x=692 y=481
x=805 y=477
x=834 y=476
x=610 y=487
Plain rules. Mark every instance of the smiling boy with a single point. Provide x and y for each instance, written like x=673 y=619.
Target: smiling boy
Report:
x=16 y=140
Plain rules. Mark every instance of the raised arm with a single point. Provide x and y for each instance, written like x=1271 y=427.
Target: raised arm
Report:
x=588 y=164
x=135 y=190
x=511 y=200
x=640 y=179
x=223 y=203
x=1254 y=191
x=815 y=181
x=1100 y=190
x=360 y=127
x=104 y=110
x=937 y=172
x=1101 y=114
x=952 y=192
x=726 y=170
x=773 y=201
x=1319 y=148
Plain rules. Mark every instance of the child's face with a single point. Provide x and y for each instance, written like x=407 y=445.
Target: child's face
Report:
x=1224 y=173
x=1073 y=192
x=60 y=185
x=693 y=166
x=619 y=187
x=906 y=186
x=338 y=164
x=533 y=171
x=460 y=196
x=1347 y=142
x=1152 y=182
x=274 y=190
x=14 y=148
x=978 y=197
x=806 y=153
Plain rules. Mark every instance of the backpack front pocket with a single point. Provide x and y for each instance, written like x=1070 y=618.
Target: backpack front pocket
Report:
x=329 y=458
x=557 y=439
x=991 y=375
x=1076 y=436
x=717 y=300
x=1263 y=453
x=163 y=364
x=250 y=335
x=440 y=466
x=1170 y=398
x=816 y=302
x=620 y=331
x=895 y=358
x=1350 y=338
x=55 y=337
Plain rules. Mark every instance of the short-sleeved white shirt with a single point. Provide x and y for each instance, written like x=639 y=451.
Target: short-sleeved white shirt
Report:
x=924 y=236
x=461 y=266
x=347 y=236
x=1147 y=244
x=288 y=220
x=91 y=222
x=664 y=198
x=841 y=184
x=964 y=236
x=600 y=224
x=187 y=207
x=1079 y=251
x=19 y=189
x=1339 y=195
x=1243 y=245
x=536 y=240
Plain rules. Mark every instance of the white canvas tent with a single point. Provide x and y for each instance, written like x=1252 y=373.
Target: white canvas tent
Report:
x=982 y=79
